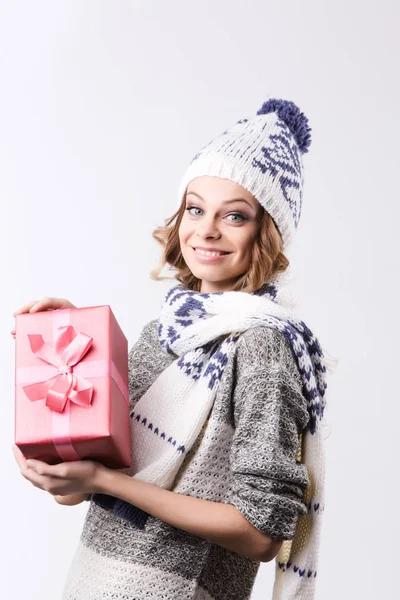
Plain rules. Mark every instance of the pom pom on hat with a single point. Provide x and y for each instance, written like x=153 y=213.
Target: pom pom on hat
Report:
x=290 y=114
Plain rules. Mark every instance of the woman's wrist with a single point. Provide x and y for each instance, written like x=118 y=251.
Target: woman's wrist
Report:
x=104 y=480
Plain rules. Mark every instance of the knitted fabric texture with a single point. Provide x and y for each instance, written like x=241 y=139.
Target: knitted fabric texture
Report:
x=202 y=330
x=247 y=455
x=263 y=154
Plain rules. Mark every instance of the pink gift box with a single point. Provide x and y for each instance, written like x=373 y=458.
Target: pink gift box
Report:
x=71 y=387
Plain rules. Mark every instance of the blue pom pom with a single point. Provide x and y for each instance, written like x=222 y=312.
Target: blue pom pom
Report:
x=294 y=119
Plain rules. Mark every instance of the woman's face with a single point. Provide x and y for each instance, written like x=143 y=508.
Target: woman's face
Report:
x=220 y=216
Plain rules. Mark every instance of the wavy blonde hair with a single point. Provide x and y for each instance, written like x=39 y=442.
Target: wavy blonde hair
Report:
x=267 y=257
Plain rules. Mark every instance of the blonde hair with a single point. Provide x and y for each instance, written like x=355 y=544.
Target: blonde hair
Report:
x=267 y=257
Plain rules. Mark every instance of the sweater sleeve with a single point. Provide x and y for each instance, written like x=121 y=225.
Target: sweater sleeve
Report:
x=270 y=413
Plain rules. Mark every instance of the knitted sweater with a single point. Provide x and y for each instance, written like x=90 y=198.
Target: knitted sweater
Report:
x=247 y=454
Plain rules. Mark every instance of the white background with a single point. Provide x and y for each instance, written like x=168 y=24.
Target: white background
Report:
x=102 y=106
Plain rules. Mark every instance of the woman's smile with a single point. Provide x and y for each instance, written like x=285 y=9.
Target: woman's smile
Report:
x=208 y=256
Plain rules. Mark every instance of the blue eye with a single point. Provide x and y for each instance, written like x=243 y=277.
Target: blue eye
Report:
x=242 y=217
x=237 y=215
x=189 y=208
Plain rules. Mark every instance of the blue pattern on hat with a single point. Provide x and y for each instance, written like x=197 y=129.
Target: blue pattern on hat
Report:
x=281 y=159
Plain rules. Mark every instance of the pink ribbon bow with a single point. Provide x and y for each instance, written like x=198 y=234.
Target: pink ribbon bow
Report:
x=68 y=351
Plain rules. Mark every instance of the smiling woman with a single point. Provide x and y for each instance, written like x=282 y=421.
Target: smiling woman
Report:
x=226 y=396
x=251 y=243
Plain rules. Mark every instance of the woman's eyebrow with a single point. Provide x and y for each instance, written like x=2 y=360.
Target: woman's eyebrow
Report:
x=225 y=201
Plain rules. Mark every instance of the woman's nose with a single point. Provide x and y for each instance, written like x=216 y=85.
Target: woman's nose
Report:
x=207 y=228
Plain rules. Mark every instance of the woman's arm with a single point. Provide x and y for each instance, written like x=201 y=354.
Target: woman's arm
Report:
x=270 y=412
x=216 y=522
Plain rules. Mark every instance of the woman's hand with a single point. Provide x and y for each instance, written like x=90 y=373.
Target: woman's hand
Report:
x=43 y=304
x=71 y=499
x=67 y=478
x=48 y=479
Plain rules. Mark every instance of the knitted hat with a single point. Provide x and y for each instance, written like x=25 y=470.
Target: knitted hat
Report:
x=263 y=154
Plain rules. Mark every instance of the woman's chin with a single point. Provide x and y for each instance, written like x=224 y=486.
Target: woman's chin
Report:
x=207 y=275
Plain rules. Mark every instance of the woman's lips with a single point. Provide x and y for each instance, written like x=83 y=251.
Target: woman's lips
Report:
x=208 y=258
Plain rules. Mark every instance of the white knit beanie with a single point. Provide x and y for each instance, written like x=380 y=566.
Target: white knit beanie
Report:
x=263 y=154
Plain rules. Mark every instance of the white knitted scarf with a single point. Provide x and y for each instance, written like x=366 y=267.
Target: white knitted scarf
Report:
x=202 y=329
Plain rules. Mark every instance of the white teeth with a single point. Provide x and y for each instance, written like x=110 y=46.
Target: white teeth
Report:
x=206 y=253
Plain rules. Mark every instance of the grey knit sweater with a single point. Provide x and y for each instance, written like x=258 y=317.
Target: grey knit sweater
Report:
x=246 y=455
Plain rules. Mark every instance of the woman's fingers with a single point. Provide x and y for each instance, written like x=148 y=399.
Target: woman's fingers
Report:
x=26 y=308
x=37 y=479
x=45 y=303
x=29 y=307
x=48 y=303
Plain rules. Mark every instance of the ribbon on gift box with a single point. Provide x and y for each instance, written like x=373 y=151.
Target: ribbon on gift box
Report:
x=64 y=377
x=69 y=349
